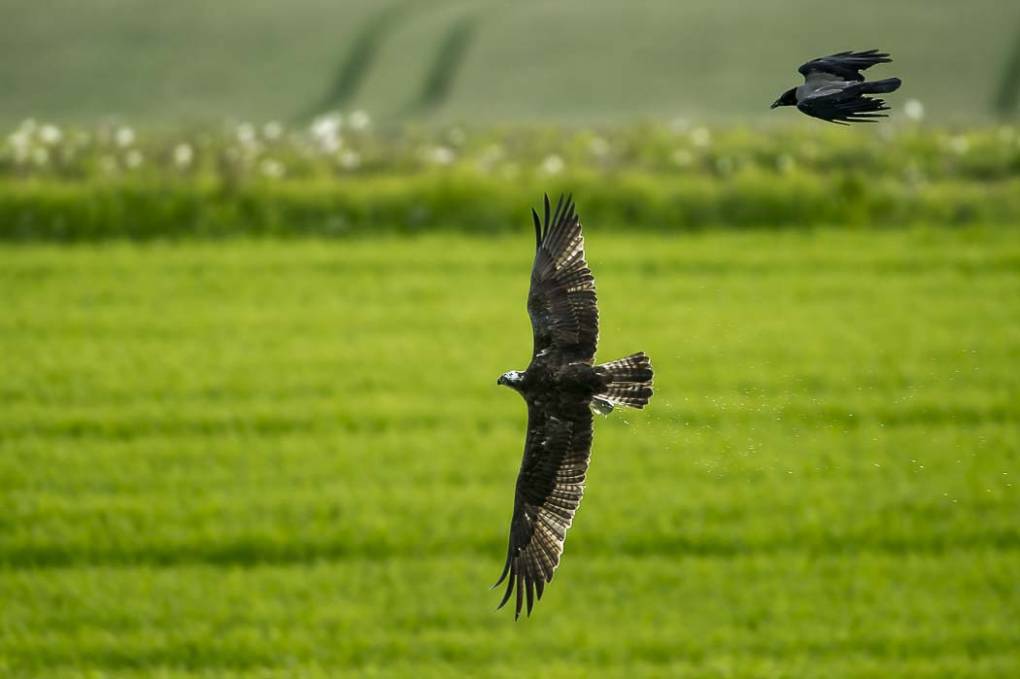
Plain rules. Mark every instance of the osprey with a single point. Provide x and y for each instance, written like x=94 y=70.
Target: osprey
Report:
x=561 y=387
x=834 y=88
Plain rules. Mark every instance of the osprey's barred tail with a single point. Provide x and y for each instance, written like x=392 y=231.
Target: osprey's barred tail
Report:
x=628 y=382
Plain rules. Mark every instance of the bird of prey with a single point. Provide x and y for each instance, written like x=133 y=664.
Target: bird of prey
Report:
x=561 y=387
x=834 y=88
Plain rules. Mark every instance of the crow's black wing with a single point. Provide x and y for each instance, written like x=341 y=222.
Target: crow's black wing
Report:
x=561 y=302
x=549 y=489
x=841 y=111
x=846 y=65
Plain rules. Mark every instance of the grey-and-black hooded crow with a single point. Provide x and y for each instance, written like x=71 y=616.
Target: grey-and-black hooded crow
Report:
x=834 y=88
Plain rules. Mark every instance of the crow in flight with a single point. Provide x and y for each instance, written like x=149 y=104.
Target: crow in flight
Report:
x=834 y=88
x=561 y=387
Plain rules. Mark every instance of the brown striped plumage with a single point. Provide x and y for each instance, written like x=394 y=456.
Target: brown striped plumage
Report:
x=560 y=386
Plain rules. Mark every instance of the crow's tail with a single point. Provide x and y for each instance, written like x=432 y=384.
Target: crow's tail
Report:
x=880 y=86
x=627 y=382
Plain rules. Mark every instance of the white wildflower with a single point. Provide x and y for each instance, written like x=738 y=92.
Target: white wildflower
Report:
x=124 y=136
x=326 y=131
x=50 y=134
x=18 y=138
x=133 y=159
x=359 y=121
x=553 y=164
x=183 y=155
x=440 y=155
x=246 y=134
x=913 y=109
x=272 y=130
x=326 y=124
x=350 y=160
x=701 y=137
x=272 y=168
x=21 y=143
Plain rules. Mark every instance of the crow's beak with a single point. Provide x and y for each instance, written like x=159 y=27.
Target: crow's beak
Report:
x=775 y=104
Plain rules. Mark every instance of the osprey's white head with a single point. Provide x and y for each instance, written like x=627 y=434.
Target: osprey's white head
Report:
x=512 y=379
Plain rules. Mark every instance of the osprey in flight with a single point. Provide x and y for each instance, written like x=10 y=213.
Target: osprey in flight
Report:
x=561 y=386
x=834 y=88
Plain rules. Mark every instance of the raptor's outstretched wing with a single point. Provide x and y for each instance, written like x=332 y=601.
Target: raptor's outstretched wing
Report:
x=561 y=302
x=549 y=489
x=846 y=65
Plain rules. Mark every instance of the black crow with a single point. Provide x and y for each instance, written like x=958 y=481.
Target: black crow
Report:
x=834 y=88
x=562 y=386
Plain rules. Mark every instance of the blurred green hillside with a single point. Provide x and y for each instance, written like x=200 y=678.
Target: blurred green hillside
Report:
x=572 y=60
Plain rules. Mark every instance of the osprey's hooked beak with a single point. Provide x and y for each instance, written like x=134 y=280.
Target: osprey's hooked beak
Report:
x=510 y=379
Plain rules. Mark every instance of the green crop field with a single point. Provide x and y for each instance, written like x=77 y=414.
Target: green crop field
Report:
x=290 y=458
x=574 y=60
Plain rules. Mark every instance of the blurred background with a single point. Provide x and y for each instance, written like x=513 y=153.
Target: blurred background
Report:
x=571 y=60
x=261 y=264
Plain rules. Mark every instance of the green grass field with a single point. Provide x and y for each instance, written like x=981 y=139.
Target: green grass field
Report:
x=290 y=458
x=574 y=60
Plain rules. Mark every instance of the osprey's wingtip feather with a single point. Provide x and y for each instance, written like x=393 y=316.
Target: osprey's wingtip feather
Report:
x=548 y=207
x=502 y=576
x=568 y=214
x=520 y=595
x=557 y=215
x=506 y=595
